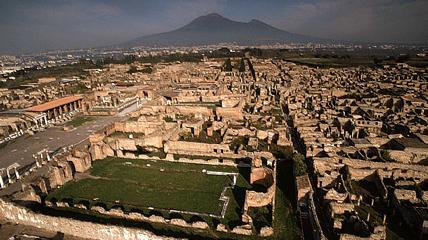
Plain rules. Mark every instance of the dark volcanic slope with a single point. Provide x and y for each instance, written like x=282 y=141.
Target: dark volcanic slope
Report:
x=213 y=28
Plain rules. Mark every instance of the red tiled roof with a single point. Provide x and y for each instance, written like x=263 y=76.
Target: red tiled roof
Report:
x=53 y=104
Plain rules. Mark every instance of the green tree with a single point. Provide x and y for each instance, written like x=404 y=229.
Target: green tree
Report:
x=242 y=65
x=148 y=70
x=227 y=66
x=133 y=69
x=300 y=167
x=386 y=156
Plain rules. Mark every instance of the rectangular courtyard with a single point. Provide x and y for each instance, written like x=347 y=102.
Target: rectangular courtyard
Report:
x=150 y=184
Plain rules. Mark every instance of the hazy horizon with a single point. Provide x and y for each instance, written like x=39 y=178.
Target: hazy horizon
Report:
x=38 y=25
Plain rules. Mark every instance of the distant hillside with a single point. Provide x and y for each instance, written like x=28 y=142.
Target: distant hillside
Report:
x=213 y=29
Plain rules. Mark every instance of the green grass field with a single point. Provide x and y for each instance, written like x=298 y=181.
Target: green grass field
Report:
x=118 y=181
x=142 y=184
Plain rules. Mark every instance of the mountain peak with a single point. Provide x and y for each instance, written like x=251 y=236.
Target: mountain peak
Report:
x=210 y=21
x=214 y=28
x=212 y=15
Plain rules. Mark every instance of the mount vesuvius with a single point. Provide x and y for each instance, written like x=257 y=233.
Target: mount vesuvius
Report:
x=214 y=29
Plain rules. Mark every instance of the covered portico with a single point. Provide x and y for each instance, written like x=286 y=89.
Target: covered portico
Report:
x=58 y=108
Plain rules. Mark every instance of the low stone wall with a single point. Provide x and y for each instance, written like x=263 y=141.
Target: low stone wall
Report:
x=213 y=161
x=20 y=215
x=360 y=169
x=232 y=113
x=81 y=160
x=262 y=176
x=199 y=149
x=170 y=158
x=259 y=199
x=253 y=199
x=138 y=127
x=101 y=113
x=134 y=216
x=318 y=233
x=193 y=110
x=148 y=110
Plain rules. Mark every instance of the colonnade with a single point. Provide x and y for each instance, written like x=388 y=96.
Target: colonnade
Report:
x=58 y=112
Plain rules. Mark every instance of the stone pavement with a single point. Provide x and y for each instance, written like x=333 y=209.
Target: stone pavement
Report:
x=21 y=150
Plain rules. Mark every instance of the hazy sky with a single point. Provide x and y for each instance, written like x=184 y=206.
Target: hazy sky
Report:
x=33 y=25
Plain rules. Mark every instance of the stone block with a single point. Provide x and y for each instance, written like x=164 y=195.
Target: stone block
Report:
x=266 y=231
x=179 y=222
x=221 y=228
x=200 y=225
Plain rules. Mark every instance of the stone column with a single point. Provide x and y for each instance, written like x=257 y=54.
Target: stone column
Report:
x=8 y=175
x=55 y=113
x=60 y=111
x=37 y=161
x=38 y=164
x=41 y=158
x=48 y=114
x=17 y=174
x=47 y=155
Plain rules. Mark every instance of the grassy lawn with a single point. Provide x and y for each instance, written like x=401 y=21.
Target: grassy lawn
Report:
x=202 y=138
x=126 y=134
x=140 y=184
x=180 y=186
x=79 y=121
x=285 y=221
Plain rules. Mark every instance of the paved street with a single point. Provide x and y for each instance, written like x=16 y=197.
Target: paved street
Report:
x=21 y=150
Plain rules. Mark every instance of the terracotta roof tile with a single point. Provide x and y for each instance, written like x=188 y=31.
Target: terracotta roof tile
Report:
x=53 y=104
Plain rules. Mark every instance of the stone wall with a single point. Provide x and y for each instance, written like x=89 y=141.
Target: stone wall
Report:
x=81 y=160
x=230 y=102
x=232 y=113
x=265 y=177
x=262 y=176
x=104 y=144
x=193 y=110
x=199 y=149
x=20 y=215
x=148 y=110
x=187 y=99
x=101 y=113
x=59 y=171
x=401 y=156
x=259 y=199
x=138 y=127
x=360 y=169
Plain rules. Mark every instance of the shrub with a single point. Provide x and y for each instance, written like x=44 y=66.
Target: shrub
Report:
x=300 y=167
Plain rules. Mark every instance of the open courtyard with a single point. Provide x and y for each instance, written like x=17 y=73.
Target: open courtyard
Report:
x=153 y=185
